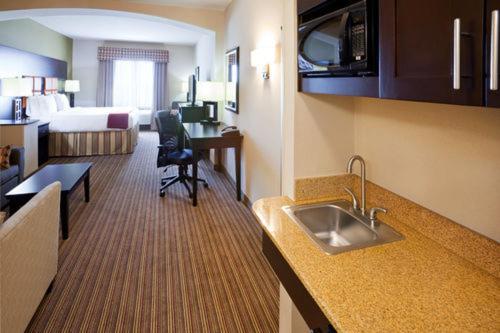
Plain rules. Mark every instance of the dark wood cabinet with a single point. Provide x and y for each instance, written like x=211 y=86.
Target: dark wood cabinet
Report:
x=307 y=306
x=305 y=5
x=492 y=94
x=346 y=86
x=43 y=143
x=417 y=50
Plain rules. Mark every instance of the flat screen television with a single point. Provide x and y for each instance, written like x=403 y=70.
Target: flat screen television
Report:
x=192 y=89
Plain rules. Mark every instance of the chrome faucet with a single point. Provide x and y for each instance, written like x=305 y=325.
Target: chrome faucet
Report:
x=363 y=179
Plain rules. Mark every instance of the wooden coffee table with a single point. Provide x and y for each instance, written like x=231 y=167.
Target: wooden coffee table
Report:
x=70 y=176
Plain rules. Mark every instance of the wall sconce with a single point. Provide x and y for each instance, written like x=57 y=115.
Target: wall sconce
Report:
x=263 y=57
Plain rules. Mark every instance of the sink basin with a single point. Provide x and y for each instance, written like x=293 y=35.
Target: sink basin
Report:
x=335 y=227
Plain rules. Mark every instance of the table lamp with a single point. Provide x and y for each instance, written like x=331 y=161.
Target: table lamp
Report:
x=210 y=92
x=71 y=87
x=16 y=87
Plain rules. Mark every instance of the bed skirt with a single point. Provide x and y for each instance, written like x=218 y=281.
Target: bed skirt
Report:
x=93 y=143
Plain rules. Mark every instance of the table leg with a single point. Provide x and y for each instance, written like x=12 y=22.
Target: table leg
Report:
x=15 y=205
x=195 y=177
x=237 y=163
x=64 y=215
x=218 y=160
x=86 y=184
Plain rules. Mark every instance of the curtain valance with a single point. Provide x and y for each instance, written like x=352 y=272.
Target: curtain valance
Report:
x=119 y=53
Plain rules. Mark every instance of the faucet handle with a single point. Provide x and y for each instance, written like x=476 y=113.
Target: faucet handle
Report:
x=373 y=212
x=355 y=205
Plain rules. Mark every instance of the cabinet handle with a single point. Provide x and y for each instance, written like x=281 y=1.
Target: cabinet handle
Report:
x=456 y=54
x=494 y=51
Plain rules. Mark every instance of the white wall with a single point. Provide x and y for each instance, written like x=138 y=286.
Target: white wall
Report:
x=85 y=67
x=250 y=24
x=205 y=57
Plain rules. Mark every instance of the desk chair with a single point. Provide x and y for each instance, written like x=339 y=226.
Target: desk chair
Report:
x=171 y=151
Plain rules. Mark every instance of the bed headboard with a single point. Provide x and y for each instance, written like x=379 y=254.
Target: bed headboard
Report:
x=17 y=63
x=50 y=85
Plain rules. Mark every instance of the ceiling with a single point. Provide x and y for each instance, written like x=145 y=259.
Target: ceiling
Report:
x=120 y=28
x=213 y=4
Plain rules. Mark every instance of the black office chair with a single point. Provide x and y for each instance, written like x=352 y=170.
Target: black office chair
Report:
x=171 y=151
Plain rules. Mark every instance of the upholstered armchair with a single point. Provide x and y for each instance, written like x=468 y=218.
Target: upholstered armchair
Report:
x=29 y=242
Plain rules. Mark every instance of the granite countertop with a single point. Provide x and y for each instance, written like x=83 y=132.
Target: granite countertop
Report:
x=415 y=284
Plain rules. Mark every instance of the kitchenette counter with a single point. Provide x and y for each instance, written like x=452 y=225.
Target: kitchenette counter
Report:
x=417 y=284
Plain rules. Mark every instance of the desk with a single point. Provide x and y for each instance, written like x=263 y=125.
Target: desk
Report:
x=208 y=136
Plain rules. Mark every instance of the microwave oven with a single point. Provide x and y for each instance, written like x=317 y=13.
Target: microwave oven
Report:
x=339 y=38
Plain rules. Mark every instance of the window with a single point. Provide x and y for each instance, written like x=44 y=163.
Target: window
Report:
x=133 y=84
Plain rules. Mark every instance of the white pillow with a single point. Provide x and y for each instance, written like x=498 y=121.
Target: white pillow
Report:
x=41 y=107
x=62 y=102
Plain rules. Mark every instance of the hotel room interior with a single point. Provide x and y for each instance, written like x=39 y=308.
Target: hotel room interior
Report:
x=247 y=166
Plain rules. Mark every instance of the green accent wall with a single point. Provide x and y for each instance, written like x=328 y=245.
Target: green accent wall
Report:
x=28 y=35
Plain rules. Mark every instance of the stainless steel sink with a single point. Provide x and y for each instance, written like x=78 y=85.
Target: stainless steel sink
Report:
x=337 y=228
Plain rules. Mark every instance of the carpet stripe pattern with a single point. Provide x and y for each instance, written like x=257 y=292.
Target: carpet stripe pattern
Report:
x=136 y=262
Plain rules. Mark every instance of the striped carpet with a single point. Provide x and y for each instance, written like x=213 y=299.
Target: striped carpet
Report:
x=136 y=262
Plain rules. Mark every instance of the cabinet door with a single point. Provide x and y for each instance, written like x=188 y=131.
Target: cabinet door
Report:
x=416 y=50
x=305 y=5
x=492 y=91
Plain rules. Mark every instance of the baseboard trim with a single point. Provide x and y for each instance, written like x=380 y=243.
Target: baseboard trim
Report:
x=222 y=169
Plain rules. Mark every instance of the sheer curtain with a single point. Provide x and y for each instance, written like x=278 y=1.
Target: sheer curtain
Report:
x=105 y=83
x=160 y=96
x=133 y=84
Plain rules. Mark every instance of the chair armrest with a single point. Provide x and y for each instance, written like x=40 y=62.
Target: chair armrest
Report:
x=17 y=158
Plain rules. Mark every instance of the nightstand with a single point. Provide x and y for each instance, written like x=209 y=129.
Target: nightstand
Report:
x=22 y=133
x=43 y=142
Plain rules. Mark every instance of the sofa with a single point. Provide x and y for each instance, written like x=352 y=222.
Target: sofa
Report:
x=29 y=242
x=11 y=177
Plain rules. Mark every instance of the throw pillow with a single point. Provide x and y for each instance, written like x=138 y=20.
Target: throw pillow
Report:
x=5 y=157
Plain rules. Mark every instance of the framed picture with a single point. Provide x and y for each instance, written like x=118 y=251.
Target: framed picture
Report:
x=232 y=80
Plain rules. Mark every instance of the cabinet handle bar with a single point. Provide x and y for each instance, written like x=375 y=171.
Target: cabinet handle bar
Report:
x=494 y=51
x=456 y=54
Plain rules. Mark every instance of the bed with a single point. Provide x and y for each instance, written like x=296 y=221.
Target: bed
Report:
x=85 y=131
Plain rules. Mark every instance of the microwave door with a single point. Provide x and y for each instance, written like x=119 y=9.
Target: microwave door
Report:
x=325 y=45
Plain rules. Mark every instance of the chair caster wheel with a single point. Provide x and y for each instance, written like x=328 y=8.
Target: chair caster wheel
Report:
x=162 y=194
x=205 y=185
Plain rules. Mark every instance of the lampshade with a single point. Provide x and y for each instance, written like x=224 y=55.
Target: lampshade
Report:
x=72 y=86
x=184 y=86
x=210 y=91
x=16 y=87
x=263 y=56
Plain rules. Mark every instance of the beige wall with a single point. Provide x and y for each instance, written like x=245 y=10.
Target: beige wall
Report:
x=205 y=18
x=324 y=127
x=248 y=25
x=318 y=129
x=28 y=35
x=444 y=157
